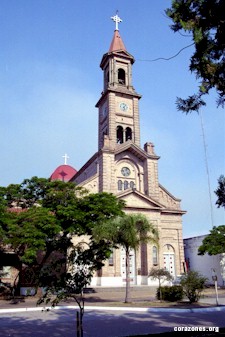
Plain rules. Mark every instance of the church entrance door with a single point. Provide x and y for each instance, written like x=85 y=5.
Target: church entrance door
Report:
x=132 y=266
x=169 y=263
x=169 y=259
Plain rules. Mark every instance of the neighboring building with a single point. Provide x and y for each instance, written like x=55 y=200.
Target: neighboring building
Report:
x=122 y=167
x=207 y=265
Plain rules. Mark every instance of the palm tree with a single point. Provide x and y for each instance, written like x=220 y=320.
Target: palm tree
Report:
x=128 y=231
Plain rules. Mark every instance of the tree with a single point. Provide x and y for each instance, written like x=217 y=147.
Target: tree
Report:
x=44 y=218
x=160 y=274
x=220 y=192
x=214 y=243
x=204 y=20
x=3 y=221
x=128 y=231
x=193 y=283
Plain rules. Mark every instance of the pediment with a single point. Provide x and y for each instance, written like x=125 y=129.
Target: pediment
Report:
x=135 y=150
x=122 y=53
x=118 y=53
x=135 y=199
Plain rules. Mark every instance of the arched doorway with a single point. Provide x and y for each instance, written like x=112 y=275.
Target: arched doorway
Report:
x=169 y=259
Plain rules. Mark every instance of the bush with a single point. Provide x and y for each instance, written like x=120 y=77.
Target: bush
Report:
x=170 y=293
x=193 y=283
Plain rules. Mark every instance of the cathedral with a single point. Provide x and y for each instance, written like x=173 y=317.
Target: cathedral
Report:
x=122 y=167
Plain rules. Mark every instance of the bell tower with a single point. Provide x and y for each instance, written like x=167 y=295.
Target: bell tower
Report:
x=118 y=104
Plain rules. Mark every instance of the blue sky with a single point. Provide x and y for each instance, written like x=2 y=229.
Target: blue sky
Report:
x=50 y=81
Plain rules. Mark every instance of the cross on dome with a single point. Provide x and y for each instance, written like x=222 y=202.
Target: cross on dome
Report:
x=65 y=158
x=117 y=20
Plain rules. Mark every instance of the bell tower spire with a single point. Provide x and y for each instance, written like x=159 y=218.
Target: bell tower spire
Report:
x=118 y=104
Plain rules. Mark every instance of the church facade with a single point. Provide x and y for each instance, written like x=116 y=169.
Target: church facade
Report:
x=122 y=167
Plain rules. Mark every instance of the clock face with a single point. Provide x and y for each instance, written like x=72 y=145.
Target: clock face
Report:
x=125 y=171
x=123 y=106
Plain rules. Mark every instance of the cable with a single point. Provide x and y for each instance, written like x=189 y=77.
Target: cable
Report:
x=207 y=168
x=169 y=58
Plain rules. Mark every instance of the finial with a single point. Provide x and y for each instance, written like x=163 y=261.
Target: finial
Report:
x=65 y=158
x=116 y=19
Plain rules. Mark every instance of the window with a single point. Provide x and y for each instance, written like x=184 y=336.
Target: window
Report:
x=120 y=185
x=126 y=185
x=132 y=185
x=111 y=259
x=121 y=76
x=128 y=134
x=154 y=256
x=119 y=134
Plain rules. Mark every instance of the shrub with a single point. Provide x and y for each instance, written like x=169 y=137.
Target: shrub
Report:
x=170 y=293
x=193 y=283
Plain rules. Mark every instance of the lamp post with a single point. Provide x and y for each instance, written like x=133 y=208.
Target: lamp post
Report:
x=214 y=278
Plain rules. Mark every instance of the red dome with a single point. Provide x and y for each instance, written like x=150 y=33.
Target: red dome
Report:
x=63 y=172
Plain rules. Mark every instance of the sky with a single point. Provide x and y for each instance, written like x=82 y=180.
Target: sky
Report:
x=50 y=81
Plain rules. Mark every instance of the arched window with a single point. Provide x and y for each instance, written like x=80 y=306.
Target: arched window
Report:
x=107 y=77
x=154 y=256
x=132 y=185
x=111 y=259
x=119 y=134
x=128 y=134
x=121 y=76
x=126 y=185
x=120 y=185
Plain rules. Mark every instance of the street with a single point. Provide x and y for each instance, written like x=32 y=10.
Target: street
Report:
x=107 y=323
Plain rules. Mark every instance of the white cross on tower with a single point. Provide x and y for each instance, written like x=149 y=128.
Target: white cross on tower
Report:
x=116 y=19
x=65 y=158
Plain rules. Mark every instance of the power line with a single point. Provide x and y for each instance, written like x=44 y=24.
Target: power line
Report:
x=169 y=58
x=207 y=168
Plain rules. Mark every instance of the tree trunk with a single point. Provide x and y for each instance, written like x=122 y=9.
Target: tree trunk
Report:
x=127 y=297
x=80 y=314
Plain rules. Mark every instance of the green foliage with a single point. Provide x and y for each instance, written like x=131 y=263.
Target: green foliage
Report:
x=214 y=243
x=41 y=228
x=30 y=231
x=193 y=283
x=4 y=221
x=220 y=192
x=160 y=274
x=128 y=231
x=170 y=293
x=204 y=21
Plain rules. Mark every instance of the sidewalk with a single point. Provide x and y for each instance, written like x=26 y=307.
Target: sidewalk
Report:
x=142 y=296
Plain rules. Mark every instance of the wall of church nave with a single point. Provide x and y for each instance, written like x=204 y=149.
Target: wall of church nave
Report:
x=106 y=281
x=148 y=256
x=87 y=172
x=167 y=199
x=91 y=184
x=169 y=227
x=171 y=251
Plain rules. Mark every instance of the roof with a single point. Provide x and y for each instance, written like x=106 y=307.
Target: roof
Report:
x=117 y=42
x=63 y=172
